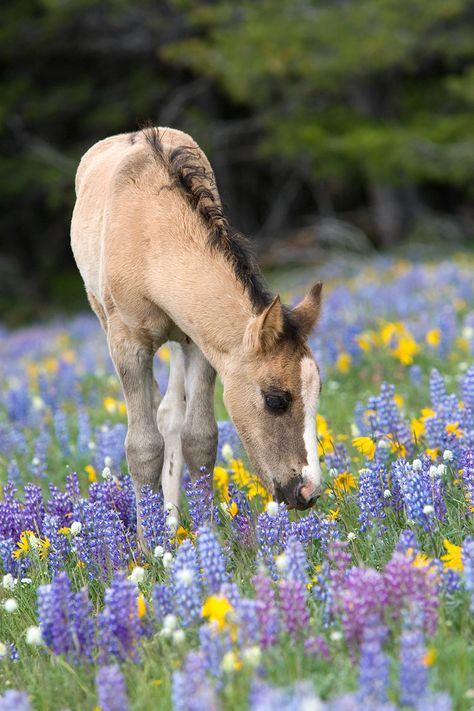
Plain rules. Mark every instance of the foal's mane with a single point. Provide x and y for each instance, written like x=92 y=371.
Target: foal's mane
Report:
x=190 y=176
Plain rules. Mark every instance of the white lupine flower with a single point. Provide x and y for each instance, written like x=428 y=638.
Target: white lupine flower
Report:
x=229 y=661
x=448 y=455
x=336 y=635
x=167 y=559
x=9 y=581
x=351 y=536
x=428 y=509
x=166 y=633
x=433 y=471
x=76 y=528
x=34 y=542
x=178 y=637
x=172 y=523
x=159 y=552
x=170 y=622
x=383 y=444
x=36 y=461
x=91 y=445
x=225 y=508
x=38 y=403
x=26 y=581
x=441 y=469
x=272 y=508
x=333 y=472
x=227 y=452
x=108 y=461
x=137 y=575
x=355 y=432
x=417 y=465
x=106 y=473
x=34 y=636
x=169 y=506
x=185 y=576
x=281 y=562
x=468 y=332
x=252 y=655
x=10 y=605
x=387 y=494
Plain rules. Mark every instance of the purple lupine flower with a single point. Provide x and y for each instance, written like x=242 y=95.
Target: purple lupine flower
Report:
x=13 y=700
x=65 y=619
x=84 y=431
x=162 y=601
x=59 y=505
x=296 y=562
x=59 y=547
x=213 y=645
x=11 y=516
x=119 y=626
x=266 y=609
x=407 y=541
x=435 y=702
x=18 y=403
x=227 y=435
x=294 y=613
x=200 y=500
x=362 y=596
x=153 y=518
x=231 y=592
x=8 y=562
x=272 y=533
x=61 y=432
x=371 y=495
x=407 y=584
x=13 y=471
x=451 y=581
x=374 y=664
x=191 y=690
x=466 y=462
x=103 y=545
x=266 y=697
x=33 y=508
x=247 y=622
x=187 y=595
x=111 y=689
x=413 y=676
x=416 y=487
x=468 y=572
x=109 y=444
x=38 y=464
x=213 y=562
x=340 y=558
x=316 y=647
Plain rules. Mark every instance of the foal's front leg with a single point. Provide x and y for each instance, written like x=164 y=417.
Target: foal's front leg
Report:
x=133 y=359
x=199 y=433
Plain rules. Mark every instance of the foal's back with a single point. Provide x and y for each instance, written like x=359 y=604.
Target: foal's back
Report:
x=125 y=200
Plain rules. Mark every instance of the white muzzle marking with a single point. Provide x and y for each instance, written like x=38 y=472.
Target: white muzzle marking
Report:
x=310 y=395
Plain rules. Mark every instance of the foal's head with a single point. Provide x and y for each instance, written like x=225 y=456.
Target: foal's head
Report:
x=271 y=392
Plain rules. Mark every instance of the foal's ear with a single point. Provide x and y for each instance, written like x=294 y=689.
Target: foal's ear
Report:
x=264 y=330
x=307 y=311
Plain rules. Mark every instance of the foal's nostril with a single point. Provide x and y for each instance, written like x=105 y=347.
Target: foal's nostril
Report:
x=306 y=495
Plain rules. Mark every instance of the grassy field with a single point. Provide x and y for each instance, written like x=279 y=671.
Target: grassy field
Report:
x=366 y=602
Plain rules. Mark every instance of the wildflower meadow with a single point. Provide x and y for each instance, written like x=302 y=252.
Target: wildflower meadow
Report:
x=364 y=602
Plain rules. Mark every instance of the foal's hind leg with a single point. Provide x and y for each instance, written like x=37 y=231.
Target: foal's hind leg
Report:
x=199 y=432
x=132 y=354
x=170 y=421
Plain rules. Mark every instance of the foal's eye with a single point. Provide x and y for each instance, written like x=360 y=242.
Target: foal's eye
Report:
x=276 y=403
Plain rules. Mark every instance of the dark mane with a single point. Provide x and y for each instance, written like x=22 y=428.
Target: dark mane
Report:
x=197 y=184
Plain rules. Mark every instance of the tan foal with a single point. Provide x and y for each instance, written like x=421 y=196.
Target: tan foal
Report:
x=161 y=263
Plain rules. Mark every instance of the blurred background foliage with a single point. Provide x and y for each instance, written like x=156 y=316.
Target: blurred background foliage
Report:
x=328 y=122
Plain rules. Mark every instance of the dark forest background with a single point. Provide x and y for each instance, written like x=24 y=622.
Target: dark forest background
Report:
x=328 y=122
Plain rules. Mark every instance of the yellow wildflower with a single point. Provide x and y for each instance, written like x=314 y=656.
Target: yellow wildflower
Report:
x=233 y=509
x=433 y=337
x=365 y=445
x=91 y=472
x=122 y=408
x=333 y=513
x=405 y=350
x=399 y=401
x=156 y=682
x=453 y=428
x=427 y=412
x=110 y=404
x=421 y=560
x=64 y=531
x=429 y=657
x=51 y=365
x=343 y=362
x=364 y=342
x=141 y=605
x=29 y=542
x=239 y=473
x=216 y=609
x=344 y=482
x=23 y=545
x=417 y=428
x=432 y=452
x=68 y=356
x=181 y=535
x=221 y=479
x=453 y=558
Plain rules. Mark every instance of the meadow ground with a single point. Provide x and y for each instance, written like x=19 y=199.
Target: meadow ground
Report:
x=366 y=602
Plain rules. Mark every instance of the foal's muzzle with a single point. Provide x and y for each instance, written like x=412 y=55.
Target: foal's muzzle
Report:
x=297 y=494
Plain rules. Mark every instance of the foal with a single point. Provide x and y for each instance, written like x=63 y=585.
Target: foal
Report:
x=161 y=263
